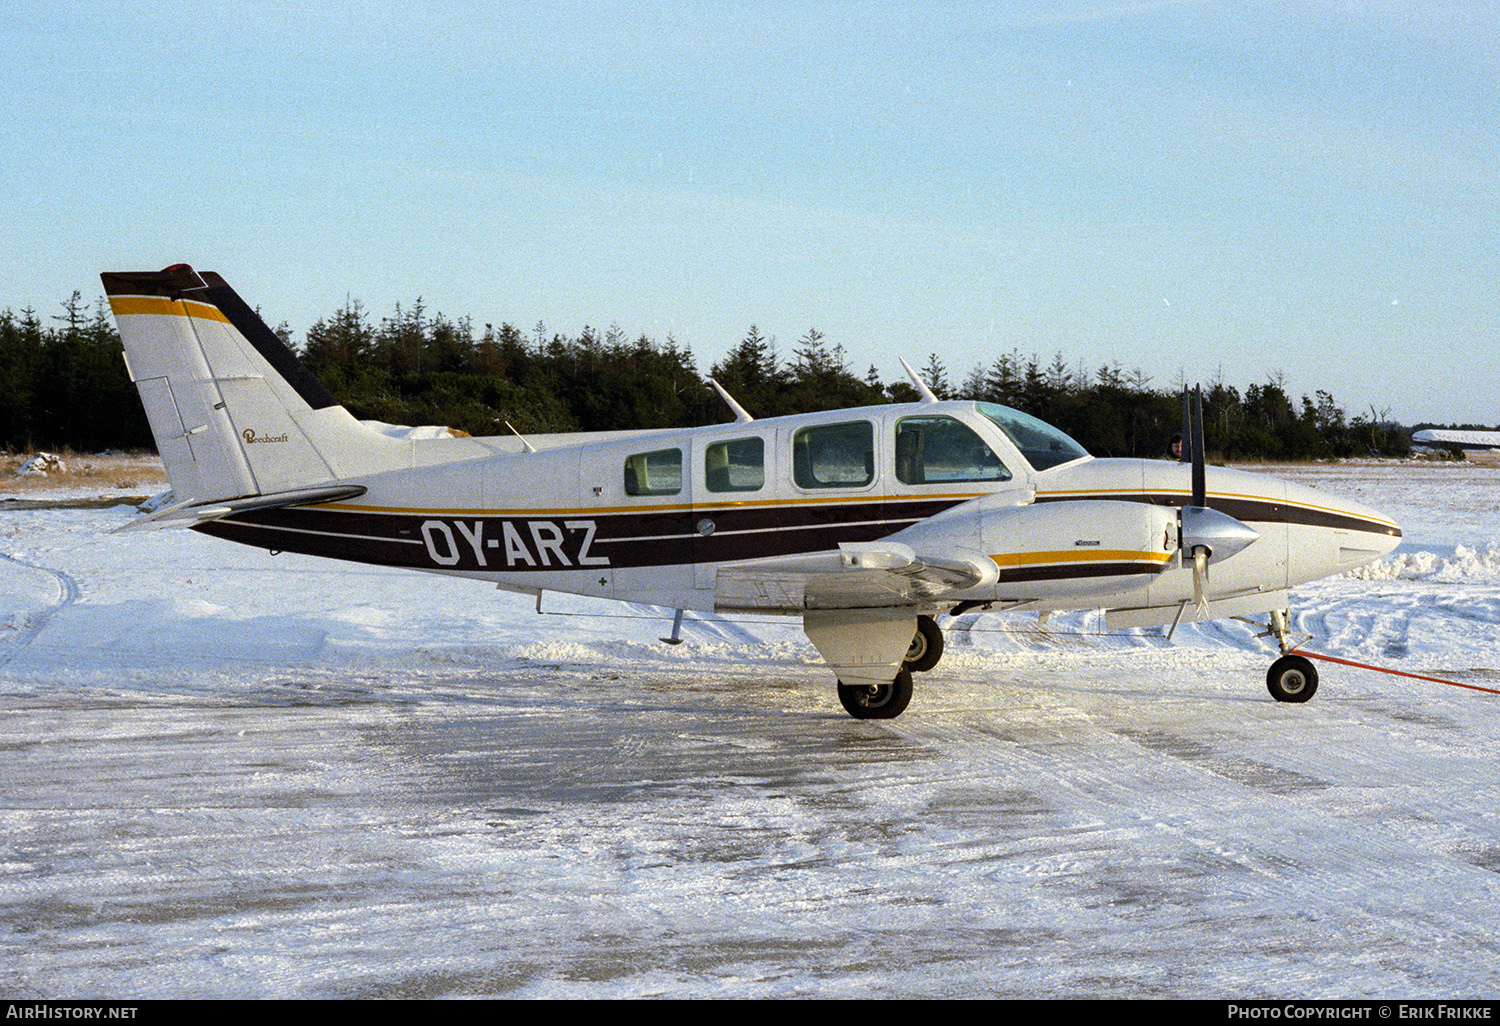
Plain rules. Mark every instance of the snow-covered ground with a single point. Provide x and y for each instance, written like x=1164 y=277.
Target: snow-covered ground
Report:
x=231 y=774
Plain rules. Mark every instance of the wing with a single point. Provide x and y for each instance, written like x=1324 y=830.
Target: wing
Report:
x=874 y=575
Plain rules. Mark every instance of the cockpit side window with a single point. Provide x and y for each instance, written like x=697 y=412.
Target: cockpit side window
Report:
x=1042 y=444
x=937 y=449
x=834 y=455
x=654 y=473
x=735 y=466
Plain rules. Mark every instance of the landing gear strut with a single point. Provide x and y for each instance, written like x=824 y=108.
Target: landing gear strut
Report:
x=878 y=701
x=866 y=649
x=1292 y=678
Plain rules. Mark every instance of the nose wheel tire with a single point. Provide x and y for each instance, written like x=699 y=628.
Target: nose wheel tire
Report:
x=1292 y=678
x=881 y=702
x=926 y=646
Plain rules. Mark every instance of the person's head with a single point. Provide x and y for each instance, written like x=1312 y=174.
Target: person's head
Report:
x=1175 y=447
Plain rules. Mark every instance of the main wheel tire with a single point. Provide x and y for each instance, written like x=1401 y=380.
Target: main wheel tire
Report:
x=926 y=646
x=1292 y=678
x=885 y=702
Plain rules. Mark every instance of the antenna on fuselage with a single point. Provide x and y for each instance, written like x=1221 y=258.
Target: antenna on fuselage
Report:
x=927 y=396
x=528 y=445
x=739 y=411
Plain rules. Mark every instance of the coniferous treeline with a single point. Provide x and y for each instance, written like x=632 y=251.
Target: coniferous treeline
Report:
x=64 y=384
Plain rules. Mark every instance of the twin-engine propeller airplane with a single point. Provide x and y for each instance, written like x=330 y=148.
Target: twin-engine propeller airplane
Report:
x=867 y=523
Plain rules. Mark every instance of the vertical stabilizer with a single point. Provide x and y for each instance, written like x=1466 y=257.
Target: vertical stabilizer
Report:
x=233 y=412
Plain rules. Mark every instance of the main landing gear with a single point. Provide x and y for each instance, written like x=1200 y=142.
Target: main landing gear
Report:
x=1292 y=678
x=877 y=701
x=887 y=701
x=926 y=646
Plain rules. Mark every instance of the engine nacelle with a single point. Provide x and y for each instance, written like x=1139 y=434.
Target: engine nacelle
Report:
x=1055 y=550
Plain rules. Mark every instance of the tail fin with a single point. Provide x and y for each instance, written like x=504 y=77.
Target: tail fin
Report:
x=234 y=413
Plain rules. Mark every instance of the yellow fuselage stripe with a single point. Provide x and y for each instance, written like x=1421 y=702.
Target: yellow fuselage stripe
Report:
x=1080 y=556
x=125 y=305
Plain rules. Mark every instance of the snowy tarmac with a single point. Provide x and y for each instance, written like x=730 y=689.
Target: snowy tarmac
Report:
x=232 y=774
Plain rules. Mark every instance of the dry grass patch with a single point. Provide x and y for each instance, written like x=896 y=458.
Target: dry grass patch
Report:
x=107 y=471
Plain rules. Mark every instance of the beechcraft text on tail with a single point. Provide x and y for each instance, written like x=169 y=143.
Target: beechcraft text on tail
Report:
x=867 y=523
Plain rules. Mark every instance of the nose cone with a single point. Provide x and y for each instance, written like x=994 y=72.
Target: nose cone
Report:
x=1334 y=534
x=1390 y=540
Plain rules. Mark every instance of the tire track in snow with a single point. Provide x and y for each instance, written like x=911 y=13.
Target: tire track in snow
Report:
x=1357 y=629
x=32 y=624
x=1398 y=626
x=1134 y=816
x=1468 y=614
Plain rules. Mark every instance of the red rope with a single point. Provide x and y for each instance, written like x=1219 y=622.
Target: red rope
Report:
x=1398 y=673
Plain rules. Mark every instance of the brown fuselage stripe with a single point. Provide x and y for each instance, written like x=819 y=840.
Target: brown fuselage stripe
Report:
x=1249 y=510
x=618 y=540
x=624 y=540
x=650 y=538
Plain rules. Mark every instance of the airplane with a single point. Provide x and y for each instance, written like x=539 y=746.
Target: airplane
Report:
x=867 y=523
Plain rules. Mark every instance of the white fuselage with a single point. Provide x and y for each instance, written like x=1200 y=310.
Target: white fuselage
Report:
x=654 y=516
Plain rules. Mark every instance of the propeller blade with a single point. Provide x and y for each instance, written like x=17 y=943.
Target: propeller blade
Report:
x=1205 y=536
x=1200 y=483
x=1187 y=429
x=1193 y=450
x=1200 y=580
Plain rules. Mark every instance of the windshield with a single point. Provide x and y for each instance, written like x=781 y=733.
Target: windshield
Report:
x=1042 y=444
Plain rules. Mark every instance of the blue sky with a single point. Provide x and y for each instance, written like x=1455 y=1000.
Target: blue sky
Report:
x=1195 y=189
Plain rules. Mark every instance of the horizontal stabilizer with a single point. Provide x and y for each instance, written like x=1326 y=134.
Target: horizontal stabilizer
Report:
x=190 y=512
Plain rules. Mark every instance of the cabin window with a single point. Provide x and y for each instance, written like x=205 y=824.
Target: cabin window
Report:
x=834 y=455
x=735 y=466
x=654 y=473
x=936 y=450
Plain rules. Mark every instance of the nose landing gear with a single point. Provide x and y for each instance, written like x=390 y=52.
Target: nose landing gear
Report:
x=1292 y=678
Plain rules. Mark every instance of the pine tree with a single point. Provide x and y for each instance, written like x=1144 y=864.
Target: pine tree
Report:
x=935 y=377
